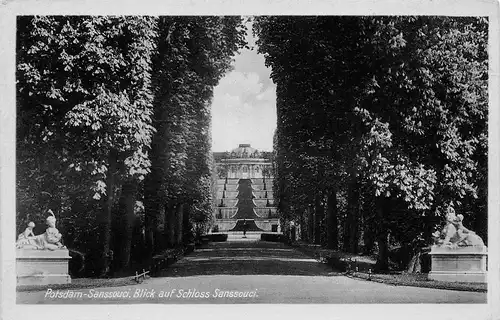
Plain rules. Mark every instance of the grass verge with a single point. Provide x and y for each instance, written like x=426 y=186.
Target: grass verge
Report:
x=419 y=280
x=360 y=267
x=80 y=283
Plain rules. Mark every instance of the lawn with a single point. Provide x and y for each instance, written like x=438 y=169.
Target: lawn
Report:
x=361 y=267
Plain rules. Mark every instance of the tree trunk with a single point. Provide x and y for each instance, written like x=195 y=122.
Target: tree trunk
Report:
x=480 y=209
x=414 y=265
x=149 y=223
x=383 y=252
x=332 y=221
x=187 y=236
x=310 y=225
x=159 y=229
x=368 y=240
x=351 y=230
x=106 y=218
x=303 y=229
x=318 y=217
x=368 y=227
x=179 y=223
x=126 y=216
x=153 y=214
x=170 y=224
x=346 y=235
x=382 y=236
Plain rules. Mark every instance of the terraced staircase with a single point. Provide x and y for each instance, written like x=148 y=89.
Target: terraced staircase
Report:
x=246 y=215
x=245 y=203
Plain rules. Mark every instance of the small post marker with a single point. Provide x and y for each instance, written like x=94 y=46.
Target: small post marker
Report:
x=370 y=274
x=140 y=277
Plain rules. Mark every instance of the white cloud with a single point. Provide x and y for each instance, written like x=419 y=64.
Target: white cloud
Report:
x=243 y=118
x=239 y=84
x=268 y=95
x=251 y=61
x=244 y=105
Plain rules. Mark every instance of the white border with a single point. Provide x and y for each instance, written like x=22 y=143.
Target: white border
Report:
x=8 y=12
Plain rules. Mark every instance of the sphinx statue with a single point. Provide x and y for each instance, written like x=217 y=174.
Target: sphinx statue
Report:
x=50 y=240
x=454 y=234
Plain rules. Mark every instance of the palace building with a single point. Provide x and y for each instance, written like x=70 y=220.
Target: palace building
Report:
x=245 y=191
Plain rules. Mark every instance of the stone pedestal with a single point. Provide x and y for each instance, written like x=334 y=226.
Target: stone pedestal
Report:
x=42 y=267
x=463 y=264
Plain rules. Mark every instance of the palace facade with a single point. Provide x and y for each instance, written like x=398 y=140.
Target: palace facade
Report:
x=244 y=191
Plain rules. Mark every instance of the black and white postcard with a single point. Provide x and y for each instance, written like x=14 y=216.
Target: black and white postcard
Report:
x=241 y=160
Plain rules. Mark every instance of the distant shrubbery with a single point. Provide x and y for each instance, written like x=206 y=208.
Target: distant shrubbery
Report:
x=220 y=237
x=272 y=237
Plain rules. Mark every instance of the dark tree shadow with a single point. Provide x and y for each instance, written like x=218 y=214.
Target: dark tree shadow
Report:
x=247 y=258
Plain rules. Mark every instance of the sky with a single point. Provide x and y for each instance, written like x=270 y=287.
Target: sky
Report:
x=244 y=104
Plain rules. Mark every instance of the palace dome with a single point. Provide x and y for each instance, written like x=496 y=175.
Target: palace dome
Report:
x=244 y=151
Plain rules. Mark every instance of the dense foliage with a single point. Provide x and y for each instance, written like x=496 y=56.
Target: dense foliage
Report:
x=114 y=128
x=382 y=122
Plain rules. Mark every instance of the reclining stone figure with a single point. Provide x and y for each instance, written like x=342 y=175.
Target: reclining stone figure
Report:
x=50 y=240
x=454 y=234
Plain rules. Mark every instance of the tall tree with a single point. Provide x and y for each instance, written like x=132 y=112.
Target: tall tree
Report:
x=194 y=53
x=394 y=110
x=88 y=79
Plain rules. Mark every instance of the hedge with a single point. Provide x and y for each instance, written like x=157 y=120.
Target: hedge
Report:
x=273 y=237
x=217 y=237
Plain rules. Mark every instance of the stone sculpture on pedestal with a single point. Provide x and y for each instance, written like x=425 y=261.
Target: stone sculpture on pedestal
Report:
x=458 y=254
x=50 y=240
x=42 y=259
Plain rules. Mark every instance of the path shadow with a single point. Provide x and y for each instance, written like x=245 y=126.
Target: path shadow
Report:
x=247 y=258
